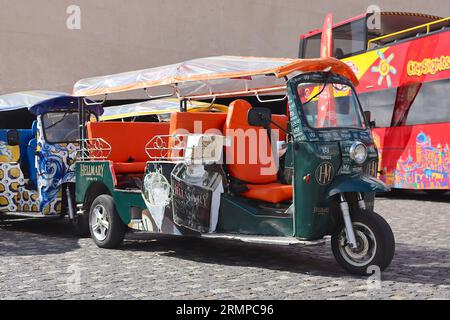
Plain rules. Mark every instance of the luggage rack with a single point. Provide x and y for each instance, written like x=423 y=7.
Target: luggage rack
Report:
x=94 y=149
x=186 y=148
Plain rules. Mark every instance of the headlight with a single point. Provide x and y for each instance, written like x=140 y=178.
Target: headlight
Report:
x=358 y=152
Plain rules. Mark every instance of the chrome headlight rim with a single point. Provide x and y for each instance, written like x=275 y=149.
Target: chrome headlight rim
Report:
x=354 y=150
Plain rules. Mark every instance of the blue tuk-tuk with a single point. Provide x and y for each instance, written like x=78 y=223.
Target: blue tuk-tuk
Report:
x=39 y=132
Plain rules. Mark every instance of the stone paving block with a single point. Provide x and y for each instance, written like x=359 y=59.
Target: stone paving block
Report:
x=37 y=259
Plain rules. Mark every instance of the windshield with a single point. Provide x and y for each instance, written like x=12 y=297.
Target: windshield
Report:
x=60 y=127
x=330 y=106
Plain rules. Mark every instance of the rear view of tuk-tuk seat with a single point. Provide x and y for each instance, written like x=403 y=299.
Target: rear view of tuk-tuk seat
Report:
x=260 y=180
x=182 y=123
x=197 y=122
x=21 y=152
x=24 y=135
x=128 y=141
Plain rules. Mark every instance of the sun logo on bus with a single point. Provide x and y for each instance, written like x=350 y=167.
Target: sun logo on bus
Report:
x=385 y=69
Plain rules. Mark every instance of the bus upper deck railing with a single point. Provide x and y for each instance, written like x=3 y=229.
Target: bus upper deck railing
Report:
x=427 y=26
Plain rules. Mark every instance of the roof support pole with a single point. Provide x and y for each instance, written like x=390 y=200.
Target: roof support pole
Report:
x=183 y=105
x=81 y=119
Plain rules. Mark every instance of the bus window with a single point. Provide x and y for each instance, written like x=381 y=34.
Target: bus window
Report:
x=312 y=47
x=431 y=104
x=349 y=38
x=380 y=104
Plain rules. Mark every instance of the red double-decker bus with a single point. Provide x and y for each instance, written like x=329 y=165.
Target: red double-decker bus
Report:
x=403 y=65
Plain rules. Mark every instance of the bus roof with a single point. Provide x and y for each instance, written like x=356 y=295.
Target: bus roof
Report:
x=39 y=102
x=212 y=76
x=391 y=21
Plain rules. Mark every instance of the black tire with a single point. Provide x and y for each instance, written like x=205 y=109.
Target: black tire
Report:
x=80 y=226
x=115 y=233
x=381 y=252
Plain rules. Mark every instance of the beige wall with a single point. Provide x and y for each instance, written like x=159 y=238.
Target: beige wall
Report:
x=37 y=51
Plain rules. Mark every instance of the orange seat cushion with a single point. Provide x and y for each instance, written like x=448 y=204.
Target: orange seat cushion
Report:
x=272 y=192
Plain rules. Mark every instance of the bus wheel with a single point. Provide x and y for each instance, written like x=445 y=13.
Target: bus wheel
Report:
x=106 y=227
x=436 y=192
x=375 y=244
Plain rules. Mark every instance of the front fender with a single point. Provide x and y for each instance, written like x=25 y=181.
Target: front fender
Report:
x=356 y=183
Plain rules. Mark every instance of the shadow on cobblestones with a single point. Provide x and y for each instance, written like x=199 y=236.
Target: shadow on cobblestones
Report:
x=305 y=260
x=33 y=237
x=424 y=265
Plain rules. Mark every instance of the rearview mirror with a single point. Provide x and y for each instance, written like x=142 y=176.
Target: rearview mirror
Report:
x=259 y=117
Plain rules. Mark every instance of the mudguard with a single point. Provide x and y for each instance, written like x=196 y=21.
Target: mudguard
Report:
x=356 y=183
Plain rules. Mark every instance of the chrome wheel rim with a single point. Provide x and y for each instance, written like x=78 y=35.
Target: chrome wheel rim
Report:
x=366 y=246
x=100 y=222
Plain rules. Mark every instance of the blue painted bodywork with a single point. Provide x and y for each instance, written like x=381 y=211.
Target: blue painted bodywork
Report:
x=48 y=166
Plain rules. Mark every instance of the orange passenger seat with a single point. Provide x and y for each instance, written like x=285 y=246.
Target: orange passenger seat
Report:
x=127 y=141
x=245 y=158
x=182 y=123
x=197 y=122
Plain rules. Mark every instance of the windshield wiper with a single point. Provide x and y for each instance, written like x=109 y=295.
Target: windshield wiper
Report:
x=57 y=122
x=325 y=83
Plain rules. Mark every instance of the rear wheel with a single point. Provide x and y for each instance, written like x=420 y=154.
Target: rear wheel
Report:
x=106 y=227
x=375 y=244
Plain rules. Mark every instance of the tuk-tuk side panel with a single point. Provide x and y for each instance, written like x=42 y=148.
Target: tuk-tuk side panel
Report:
x=89 y=173
x=14 y=196
x=236 y=216
x=126 y=202
x=56 y=166
x=315 y=166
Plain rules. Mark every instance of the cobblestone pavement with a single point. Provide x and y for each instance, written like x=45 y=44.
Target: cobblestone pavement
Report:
x=41 y=261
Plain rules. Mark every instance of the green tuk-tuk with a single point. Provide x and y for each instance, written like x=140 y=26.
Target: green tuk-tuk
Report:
x=291 y=162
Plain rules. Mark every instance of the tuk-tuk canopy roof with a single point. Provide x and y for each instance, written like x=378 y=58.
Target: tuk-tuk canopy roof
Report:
x=212 y=76
x=154 y=107
x=39 y=102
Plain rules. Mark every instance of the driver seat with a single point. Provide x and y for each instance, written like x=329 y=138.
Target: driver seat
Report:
x=260 y=180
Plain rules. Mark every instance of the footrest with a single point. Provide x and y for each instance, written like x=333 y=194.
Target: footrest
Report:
x=286 y=241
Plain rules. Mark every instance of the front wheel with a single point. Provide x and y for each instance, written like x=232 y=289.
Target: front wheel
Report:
x=375 y=244
x=106 y=227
